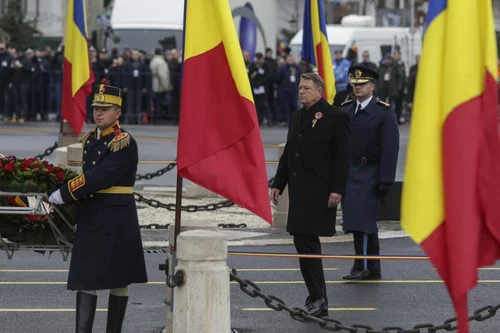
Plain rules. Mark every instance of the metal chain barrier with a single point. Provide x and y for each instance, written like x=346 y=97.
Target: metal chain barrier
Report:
x=330 y=324
x=158 y=173
x=47 y=151
x=189 y=208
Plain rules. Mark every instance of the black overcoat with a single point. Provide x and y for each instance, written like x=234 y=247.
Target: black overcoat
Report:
x=108 y=250
x=314 y=164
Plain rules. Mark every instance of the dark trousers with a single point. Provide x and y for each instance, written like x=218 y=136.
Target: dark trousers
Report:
x=312 y=269
x=159 y=112
x=398 y=107
x=263 y=110
x=366 y=244
x=17 y=98
x=289 y=102
x=133 y=110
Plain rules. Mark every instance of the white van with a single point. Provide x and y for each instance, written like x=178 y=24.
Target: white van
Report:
x=148 y=24
x=376 y=40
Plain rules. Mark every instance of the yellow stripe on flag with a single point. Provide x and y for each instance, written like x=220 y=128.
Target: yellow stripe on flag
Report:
x=422 y=201
x=315 y=27
x=329 y=78
x=211 y=23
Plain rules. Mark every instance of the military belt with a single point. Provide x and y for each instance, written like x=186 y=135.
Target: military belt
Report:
x=117 y=190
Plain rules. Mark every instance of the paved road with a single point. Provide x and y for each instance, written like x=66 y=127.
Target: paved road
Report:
x=155 y=143
x=37 y=301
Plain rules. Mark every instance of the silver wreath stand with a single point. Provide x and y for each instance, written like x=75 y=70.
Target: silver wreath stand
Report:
x=42 y=207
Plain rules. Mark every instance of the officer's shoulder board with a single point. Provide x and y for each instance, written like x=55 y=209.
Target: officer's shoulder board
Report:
x=120 y=141
x=384 y=104
x=86 y=136
x=347 y=102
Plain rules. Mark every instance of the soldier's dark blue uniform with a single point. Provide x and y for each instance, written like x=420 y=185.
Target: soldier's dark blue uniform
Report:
x=108 y=251
x=374 y=155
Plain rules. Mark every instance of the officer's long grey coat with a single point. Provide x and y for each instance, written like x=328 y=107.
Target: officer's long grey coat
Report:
x=314 y=164
x=374 y=138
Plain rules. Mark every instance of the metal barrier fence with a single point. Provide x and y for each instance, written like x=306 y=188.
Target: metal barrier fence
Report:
x=37 y=95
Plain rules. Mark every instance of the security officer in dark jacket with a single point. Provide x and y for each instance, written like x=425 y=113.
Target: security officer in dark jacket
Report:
x=314 y=165
x=374 y=156
x=108 y=252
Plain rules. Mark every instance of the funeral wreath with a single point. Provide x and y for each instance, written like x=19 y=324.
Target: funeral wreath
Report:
x=30 y=175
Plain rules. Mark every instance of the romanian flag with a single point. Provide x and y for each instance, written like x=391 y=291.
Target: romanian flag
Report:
x=77 y=73
x=219 y=144
x=315 y=47
x=452 y=182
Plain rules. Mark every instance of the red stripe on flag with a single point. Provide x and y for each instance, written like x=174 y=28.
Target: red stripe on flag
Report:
x=321 y=66
x=74 y=109
x=469 y=238
x=220 y=147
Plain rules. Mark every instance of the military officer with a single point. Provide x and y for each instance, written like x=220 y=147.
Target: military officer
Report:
x=373 y=160
x=314 y=165
x=108 y=252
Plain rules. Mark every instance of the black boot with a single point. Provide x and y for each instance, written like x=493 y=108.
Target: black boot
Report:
x=116 y=313
x=85 y=312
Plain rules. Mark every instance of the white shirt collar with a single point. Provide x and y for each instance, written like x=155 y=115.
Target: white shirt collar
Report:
x=364 y=104
x=98 y=133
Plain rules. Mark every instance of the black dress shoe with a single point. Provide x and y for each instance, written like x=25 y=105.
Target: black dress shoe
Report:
x=357 y=275
x=316 y=308
x=373 y=276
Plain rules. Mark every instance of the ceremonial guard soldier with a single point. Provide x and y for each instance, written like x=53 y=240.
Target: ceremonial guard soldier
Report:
x=374 y=156
x=314 y=165
x=107 y=252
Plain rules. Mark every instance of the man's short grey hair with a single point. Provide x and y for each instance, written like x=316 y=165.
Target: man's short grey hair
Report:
x=315 y=78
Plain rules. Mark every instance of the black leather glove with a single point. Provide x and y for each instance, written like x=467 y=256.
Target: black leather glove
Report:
x=382 y=190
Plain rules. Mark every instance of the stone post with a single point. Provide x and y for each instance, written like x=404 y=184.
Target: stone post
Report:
x=66 y=137
x=186 y=225
x=61 y=157
x=74 y=157
x=280 y=213
x=202 y=304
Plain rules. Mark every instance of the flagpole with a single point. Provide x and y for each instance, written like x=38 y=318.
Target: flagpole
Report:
x=178 y=198
x=178 y=207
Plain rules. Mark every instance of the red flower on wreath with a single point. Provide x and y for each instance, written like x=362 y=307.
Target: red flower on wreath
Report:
x=10 y=167
x=25 y=165
x=60 y=175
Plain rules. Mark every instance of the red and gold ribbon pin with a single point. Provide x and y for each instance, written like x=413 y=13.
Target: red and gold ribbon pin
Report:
x=317 y=116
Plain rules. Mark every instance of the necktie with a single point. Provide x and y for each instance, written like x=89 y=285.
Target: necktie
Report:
x=358 y=109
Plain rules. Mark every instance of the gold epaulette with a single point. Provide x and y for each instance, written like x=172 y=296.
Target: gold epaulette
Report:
x=384 y=104
x=119 y=142
x=86 y=136
x=347 y=102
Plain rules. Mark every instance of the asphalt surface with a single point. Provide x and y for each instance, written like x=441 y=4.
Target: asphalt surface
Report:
x=33 y=287
x=155 y=143
x=410 y=294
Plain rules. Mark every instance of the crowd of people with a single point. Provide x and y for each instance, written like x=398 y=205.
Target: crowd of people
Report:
x=31 y=83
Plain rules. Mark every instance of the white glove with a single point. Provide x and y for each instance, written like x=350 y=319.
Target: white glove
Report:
x=56 y=198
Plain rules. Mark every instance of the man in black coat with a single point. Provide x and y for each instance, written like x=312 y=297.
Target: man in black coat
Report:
x=374 y=156
x=107 y=252
x=314 y=165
